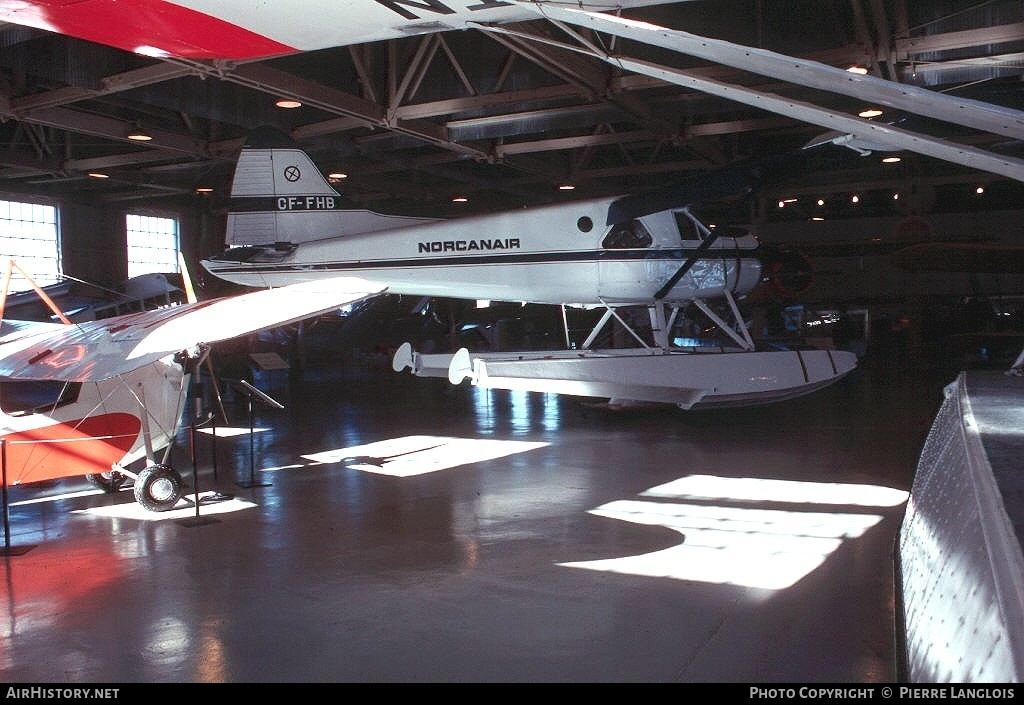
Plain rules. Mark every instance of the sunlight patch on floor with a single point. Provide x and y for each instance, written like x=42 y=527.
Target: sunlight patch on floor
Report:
x=731 y=542
x=417 y=455
x=208 y=504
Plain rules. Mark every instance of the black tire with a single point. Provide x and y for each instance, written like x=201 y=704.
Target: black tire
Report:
x=158 y=488
x=109 y=482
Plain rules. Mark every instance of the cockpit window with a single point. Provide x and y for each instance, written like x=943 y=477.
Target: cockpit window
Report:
x=627 y=235
x=690 y=228
x=20 y=397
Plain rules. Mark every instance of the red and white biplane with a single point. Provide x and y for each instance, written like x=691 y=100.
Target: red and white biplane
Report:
x=99 y=397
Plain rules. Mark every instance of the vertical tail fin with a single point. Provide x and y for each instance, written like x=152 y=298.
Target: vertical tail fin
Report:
x=278 y=194
x=280 y=198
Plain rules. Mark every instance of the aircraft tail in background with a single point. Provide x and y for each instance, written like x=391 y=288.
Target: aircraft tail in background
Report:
x=279 y=195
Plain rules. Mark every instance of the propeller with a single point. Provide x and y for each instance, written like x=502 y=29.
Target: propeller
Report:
x=787 y=271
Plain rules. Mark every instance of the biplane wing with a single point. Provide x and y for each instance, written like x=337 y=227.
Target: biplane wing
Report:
x=97 y=350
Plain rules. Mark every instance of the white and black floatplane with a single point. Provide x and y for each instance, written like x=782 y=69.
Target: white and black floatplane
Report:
x=287 y=225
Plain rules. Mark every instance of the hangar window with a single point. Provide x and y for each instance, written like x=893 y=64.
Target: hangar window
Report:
x=29 y=236
x=152 y=244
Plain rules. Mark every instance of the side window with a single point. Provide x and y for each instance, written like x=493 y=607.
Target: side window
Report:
x=627 y=235
x=23 y=397
x=687 y=226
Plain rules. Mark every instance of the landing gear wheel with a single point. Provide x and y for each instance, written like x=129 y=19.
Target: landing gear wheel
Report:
x=109 y=482
x=158 y=488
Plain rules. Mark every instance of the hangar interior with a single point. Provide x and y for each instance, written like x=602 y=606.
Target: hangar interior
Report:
x=345 y=572
x=474 y=121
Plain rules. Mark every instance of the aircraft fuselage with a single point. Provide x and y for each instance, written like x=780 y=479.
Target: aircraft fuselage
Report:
x=553 y=254
x=55 y=429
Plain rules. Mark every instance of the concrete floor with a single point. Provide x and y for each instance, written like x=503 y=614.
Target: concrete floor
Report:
x=402 y=530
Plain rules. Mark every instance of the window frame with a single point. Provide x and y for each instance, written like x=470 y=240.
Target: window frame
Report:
x=27 y=257
x=136 y=266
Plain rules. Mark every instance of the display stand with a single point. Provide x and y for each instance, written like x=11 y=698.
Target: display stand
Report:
x=8 y=550
x=198 y=520
x=269 y=362
x=243 y=387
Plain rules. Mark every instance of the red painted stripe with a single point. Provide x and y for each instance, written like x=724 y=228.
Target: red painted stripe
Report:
x=69 y=449
x=176 y=30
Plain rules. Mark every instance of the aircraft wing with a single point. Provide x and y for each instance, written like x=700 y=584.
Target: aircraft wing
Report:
x=96 y=350
x=242 y=29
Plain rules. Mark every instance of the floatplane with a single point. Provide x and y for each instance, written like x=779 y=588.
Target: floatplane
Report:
x=287 y=225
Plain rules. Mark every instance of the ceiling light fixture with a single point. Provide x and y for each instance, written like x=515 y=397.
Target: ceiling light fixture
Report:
x=337 y=175
x=204 y=189
x=98 y=175
x=870 y=113
x=566 y=187
x=137 y=134
x=460 y=199
x=288 y=103
x=858 y=70
x=891 y=160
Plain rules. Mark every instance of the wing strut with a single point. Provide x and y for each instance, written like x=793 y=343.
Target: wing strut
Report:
x=709 y=237
x=8 y=270
x=190 y=297
x=681 y=272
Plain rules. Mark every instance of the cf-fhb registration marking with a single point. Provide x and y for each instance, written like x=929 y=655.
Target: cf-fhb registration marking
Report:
x=305 y=203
